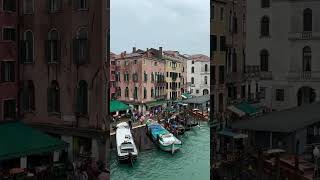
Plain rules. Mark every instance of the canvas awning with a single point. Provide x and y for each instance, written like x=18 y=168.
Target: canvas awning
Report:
x=18 y=140
x=236 y=111
x=247 y=108
x=229 y=133
x=186 y=95
x=116 y=105
x=156 y=103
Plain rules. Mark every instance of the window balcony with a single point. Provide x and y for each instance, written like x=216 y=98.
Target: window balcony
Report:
x=307 y=35
x=304 y=76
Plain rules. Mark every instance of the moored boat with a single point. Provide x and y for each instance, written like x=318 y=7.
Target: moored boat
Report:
x=163 y=138
x=126 y=148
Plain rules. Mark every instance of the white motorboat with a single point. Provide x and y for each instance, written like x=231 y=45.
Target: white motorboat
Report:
x=126 y=148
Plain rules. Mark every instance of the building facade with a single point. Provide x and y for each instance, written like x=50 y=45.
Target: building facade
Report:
x=175 y=71
x=64 y=77
x=112 y=73
x=8 y=60
x=198 y=75
x=282 y=51
x=141 y=78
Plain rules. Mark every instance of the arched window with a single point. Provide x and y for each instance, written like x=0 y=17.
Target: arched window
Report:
x=307 y=20
x=192 y=69
x=81 y=47
x=265 y=26
x=152 y=93
x=145 y=93
x=82 y=97
x=205 y=80
x=192 y=80
x=264 y=60
x=307 y=58
x=27 y=96
x=53 y=50
x=27 y=47
x=54 y=97
x=127 y=92
x=206 y=67
x=135 y=93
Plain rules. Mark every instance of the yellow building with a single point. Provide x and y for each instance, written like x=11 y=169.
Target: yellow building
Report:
x=174 y=74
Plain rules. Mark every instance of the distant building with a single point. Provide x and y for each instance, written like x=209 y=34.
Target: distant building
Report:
x=141 y=79
x=112 y=73
x=175 y=74
x=8 y=60
x=198 y=78
x=282 y=50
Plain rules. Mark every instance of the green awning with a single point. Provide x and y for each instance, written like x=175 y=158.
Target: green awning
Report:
x=186 y=95
x=156 y=103
x=18 y=140
x=116 y=105
x=247 y=108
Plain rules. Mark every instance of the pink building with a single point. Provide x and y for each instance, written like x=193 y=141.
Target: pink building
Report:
x=113 y=76
x=141 y=79
x=8 y=60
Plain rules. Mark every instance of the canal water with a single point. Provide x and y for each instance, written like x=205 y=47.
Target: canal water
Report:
x=191 y=162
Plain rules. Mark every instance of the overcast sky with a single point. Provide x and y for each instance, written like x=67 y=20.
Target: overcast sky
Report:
x=181 y=25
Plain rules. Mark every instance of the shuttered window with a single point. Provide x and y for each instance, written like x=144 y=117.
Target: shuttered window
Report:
x=9 y=109
x=82 y=97
x=8 y=71
x=54 y=98
x=9 y=5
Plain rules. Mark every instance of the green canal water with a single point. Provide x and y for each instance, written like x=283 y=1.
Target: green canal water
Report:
x=190 y=163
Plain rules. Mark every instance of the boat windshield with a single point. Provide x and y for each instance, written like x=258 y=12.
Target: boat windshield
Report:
x=127 y=147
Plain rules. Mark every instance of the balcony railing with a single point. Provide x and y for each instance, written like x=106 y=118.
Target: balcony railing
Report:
x=304 y=76
x=307 y=35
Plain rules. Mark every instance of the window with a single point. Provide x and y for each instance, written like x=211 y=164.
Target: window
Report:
x=213 y=43
x=264 y=61
x=221 y=74
x=192 y=62
x=307 y=20
x=126 y=92
x=135 y=93
x=9 y=109
x=221 y=102
x=192 y=69
x=145 y=93
x=167 y=74
x=82 y=98
x=265 y=26
x=54 y=98
x=9 y=5
x=234 y=61
x=145 y=77
x=28 y=6
x=80 y=4
x=192 y=80
x=212 y=12
x=197 y=91
x=118 y=89
x=81 y=47
x=235 y=24
x=155 y=63
x=7 y=71
x=213 y=75
x=222 y=43
x=279 y=94
x=244 y=23
x=53 y=47
x=306 y=59
x=205 y=80
x=27 y=47
x=9 y=34
x=54 y=5
x=265 y=3
x=135 y=61
x=135 y=77
x=243 y=91
x=221 y=14
x=27 y=97
x=152 y=93
x=206 y=67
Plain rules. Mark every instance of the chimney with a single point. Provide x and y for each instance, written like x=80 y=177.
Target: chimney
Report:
x=134 y=50
x=160 y=52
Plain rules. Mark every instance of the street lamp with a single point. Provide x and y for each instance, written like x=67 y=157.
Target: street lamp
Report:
x=316 y=154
